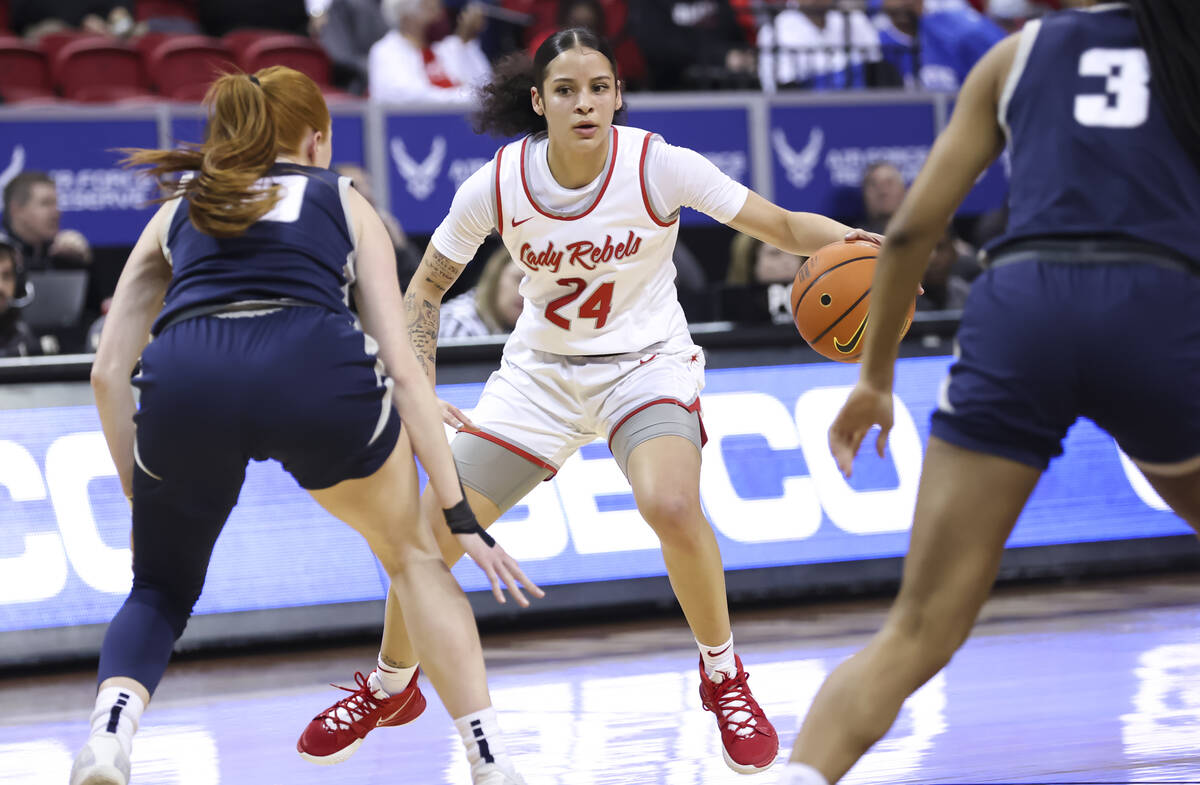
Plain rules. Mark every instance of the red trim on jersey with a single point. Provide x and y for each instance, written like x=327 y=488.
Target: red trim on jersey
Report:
x=642 y=181
x=694 y=406
x=499 y=203
x=536 y=461
x=612 y=166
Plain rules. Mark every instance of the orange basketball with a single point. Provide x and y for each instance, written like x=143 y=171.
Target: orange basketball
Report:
x=830 y=298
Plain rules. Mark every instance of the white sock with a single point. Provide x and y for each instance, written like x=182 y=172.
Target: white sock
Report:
x=390 y=680
x=118 y=712
x=481 y=736
x=802 y=774
x=718 y=660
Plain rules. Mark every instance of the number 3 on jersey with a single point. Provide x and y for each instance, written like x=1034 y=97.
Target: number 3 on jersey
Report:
x=1125 y=102
x=595 y=307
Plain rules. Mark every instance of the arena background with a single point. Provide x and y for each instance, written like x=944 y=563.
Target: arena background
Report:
x=788 y=525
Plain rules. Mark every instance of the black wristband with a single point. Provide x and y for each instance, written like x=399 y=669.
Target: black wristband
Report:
x=461 y=520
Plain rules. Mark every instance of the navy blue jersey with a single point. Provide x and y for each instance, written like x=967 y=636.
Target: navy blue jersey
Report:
x=302 y=250
x=1092 y=152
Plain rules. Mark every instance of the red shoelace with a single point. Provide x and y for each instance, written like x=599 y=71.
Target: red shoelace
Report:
x=358 y=704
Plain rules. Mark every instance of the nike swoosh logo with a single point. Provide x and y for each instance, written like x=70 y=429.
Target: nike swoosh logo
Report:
x=648 y=359
x=516 y=223
x=395 y=713
x=712 y=653
x=852 y=344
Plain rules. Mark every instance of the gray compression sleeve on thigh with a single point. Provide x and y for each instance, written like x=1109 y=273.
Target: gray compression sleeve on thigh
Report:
x=661 y=419
x=495 y=471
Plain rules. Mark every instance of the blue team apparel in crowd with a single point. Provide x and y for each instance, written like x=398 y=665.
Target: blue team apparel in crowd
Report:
x=950 y=39
x=1092 y=152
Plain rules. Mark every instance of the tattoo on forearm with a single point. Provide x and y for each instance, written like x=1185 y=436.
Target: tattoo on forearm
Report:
x=424 y=315
x=424 y=320
x=440 y=272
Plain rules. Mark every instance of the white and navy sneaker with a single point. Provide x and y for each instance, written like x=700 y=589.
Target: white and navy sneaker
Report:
x=102 y=761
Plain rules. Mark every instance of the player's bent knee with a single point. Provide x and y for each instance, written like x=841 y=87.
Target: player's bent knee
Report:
x=671 y=513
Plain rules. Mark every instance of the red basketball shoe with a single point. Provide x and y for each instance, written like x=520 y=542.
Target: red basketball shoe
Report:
x=334 y=734
x=747 y=737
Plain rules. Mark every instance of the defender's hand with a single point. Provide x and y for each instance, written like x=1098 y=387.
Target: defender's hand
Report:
x=865 y=408
x=499 y=566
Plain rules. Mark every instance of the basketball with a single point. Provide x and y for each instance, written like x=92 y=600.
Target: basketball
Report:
x=830 y=298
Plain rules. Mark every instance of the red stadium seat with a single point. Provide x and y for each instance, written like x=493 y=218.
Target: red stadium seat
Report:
x=24 y=73
x=52 y=43
x=4 y=15
x=239 y=40
x=183 y=67
x=98 y=69
x=294 y=51
x=148 y=42
x=158 y=9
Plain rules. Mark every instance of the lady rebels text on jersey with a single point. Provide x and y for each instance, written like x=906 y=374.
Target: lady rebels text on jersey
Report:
x=597 y=260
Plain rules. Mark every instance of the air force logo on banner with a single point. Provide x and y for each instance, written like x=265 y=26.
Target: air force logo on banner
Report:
x=13 y=169
x=799 y=164
x=420 y=176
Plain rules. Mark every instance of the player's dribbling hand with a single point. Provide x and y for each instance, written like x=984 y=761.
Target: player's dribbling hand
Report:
x=453 y=416
x=865 y=408
x=864 y=235
x=499 y=566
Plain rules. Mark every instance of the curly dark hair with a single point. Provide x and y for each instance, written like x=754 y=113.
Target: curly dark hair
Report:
x=504 y=106
x=1167 y=30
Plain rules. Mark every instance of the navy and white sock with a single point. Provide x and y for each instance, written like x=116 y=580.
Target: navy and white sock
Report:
x=481 y=737
x=118 y=712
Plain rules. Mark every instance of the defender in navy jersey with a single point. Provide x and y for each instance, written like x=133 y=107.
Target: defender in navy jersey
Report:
x=1089 y=308
x=242 y=277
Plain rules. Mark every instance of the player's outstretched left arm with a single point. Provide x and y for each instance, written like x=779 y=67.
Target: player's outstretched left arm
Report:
x=137 y=301
x=961 y=153
x=799 y=233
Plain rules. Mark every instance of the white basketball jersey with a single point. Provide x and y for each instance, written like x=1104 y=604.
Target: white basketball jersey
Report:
x=599 y=280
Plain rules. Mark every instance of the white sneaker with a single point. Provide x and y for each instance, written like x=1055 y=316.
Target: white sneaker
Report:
x=102 y=761
x=492 y=775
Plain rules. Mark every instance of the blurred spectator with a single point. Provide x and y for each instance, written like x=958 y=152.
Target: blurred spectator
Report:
x=882 y=192
x=491 y=307
x=218 y=17
x=817 y=46
x=348 y=29
x=16 y=339
x=402 y=66
x=591 y=14
x=407 y=257
x=93 y=334
x=692 y=45
x=934 y=43
x=952 y=268
x=36 y=18
x=758 y=283
x=31 y=219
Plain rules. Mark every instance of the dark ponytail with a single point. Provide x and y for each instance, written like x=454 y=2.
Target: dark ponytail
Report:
x=505 y=108
x=1167 y=30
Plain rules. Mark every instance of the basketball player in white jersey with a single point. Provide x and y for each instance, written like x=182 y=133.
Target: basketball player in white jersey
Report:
x=589 y=211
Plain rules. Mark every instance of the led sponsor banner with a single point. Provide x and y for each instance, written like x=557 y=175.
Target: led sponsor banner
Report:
x=768 y=485
x=820 y=153
x=347 y=135
x=720 y=135
x=96 y=195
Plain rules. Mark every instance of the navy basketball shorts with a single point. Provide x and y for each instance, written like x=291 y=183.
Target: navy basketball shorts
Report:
x=1043 y=343
x=298 y=384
